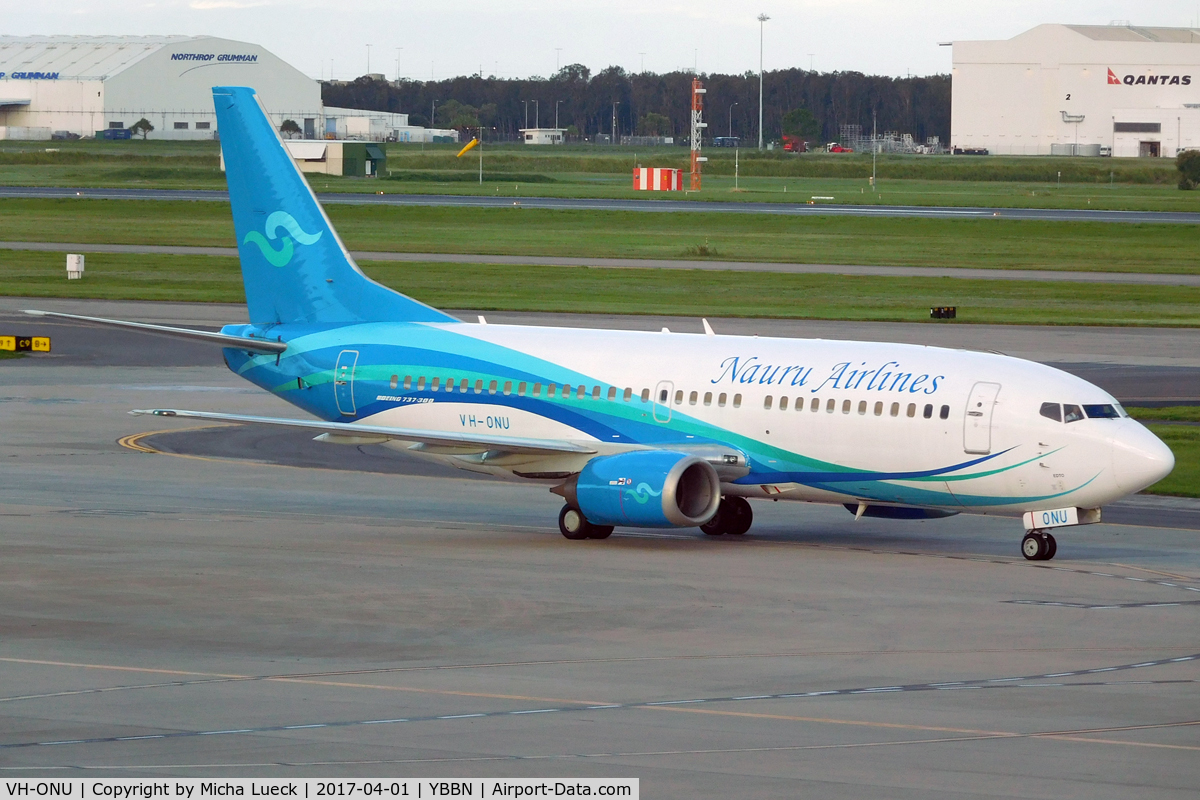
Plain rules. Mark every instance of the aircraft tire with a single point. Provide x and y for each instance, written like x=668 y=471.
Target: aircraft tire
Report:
x=572 y=524
x=1051 y=547
x=1034 y=547
x=737 y=514
x=600 y=531
x=716 y=526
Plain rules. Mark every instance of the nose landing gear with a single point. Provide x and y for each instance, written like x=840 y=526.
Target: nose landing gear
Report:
x=1038 y=546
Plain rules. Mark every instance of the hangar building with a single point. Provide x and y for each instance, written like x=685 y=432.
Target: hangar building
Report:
x=84 y=84
x=1079 y=89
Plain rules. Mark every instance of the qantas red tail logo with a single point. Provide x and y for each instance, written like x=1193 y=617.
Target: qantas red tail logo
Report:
x=1149 y=80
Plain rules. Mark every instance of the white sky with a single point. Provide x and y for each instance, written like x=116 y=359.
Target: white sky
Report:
x=518 y=38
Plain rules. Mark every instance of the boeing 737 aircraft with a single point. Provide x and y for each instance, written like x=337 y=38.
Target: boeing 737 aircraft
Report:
x=645 y=429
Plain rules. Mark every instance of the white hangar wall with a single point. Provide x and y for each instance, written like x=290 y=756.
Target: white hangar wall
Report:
x=84 y=84
x=1129 y=90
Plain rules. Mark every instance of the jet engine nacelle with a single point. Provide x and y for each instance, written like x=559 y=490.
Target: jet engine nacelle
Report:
x=648 y=489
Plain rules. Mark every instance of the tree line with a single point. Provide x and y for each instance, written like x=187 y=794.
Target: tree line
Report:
x=660 y=105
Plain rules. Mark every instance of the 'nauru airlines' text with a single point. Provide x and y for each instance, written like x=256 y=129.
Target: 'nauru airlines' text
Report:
x=887 y=377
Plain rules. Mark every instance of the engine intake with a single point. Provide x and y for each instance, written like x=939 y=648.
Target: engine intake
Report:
x=646 y=489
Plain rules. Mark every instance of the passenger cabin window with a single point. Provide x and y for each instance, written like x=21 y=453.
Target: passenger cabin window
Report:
x=1052 y=411
x=816 y=404
x=708 y=398
x=945 y=412
x=421 y=384
x=433 y=387
x=846 y=406
x=550 y=389
x=508 y=387
x=862 y=406
x=679 y=397
x=767 y=401
x=912 y=409
x=395 y=381
x=645 y=395
x=408 y=381
x=721 y=400
x=783 y=401
x=492 y=387
x=612 y=393
x=737 y=401
x=462 y=385
x=1101 y=412
x=449 y=384
x=830 y=406
x=1072 y=413
x=479 y=387
x=895 y=412
x=521 y=389
x=693 y=398
x=628 y=394
x=879 y=409
x=928 y=411
x=537 y=390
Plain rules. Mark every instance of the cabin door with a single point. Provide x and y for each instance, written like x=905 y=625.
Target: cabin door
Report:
x=343 y=382
x=977 y=426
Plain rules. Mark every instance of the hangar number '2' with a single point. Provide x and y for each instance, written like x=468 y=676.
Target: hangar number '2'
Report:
x=648 y=429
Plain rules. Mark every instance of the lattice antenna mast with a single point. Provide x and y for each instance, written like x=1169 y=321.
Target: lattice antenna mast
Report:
x=698 y=126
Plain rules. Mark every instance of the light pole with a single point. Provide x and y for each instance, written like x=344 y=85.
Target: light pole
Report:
x=556 y=102
x=398 y=49
x=368 y=59
x=614 y=121
x=432 y=113
x=537 y=115
x=557 y=59
x=526 y=102
x=731 y=105
x=762 y=18
x=643 y=55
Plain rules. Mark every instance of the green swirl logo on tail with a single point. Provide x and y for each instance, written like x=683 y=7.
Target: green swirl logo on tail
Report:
x=281 y=219
x=642 y=494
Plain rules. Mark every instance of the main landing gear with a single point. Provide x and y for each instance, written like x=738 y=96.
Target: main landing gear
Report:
x=733 y=517
x=574 y=525
x=1038 y=546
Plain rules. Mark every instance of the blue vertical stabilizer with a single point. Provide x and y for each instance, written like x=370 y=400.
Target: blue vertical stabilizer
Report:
x=294 y=266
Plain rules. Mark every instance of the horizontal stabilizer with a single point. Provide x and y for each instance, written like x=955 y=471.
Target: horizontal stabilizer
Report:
x=507 y=444
x=222 y=339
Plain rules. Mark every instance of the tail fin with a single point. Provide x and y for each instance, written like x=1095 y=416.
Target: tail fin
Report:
x=294 y=266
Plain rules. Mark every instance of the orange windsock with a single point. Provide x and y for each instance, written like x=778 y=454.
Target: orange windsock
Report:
x=469 y=145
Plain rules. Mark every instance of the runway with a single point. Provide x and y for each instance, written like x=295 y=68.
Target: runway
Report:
x=223 y=611
x=1156 y=279
x=661 y=206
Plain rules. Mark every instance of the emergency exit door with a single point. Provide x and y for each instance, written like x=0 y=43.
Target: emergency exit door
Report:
x=977 y=425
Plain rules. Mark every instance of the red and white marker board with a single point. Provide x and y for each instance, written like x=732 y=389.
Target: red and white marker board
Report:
x=657 y=179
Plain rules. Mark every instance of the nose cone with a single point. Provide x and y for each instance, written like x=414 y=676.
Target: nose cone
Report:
x=1139 y=458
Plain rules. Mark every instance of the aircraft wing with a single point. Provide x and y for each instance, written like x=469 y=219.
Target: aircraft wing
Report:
x=225 y=340
x=507 y=444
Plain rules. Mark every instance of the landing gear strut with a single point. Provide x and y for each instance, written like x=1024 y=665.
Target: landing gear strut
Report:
x=574 y=525
x=1038 y=546
x=733 y=517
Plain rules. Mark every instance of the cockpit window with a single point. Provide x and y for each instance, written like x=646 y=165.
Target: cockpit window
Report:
x=1072 y=413
x=1101 y=412
x=1052 y=411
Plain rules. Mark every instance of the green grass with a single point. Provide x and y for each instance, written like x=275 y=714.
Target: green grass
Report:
x=982 y=243
x=7 y=354
x=586 y=171
x=1184 y=441
x=1170 y=414
x=692 y=293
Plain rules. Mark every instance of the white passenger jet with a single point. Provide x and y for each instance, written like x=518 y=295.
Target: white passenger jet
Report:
x=644 y=429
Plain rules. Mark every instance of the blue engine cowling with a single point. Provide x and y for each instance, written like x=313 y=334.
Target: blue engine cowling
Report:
x=648 y=489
